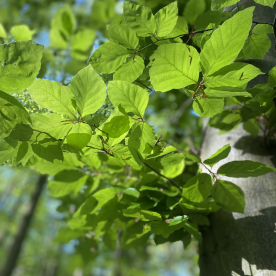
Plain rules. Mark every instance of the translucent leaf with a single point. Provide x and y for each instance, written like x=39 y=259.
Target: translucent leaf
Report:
x=256 y=46
x=217 y=4
x=83 y=40
x=79 y=136
x=70 y=162
x=174 y=66
x=192 y=157
x=130 y=97
x=11 y=113
x=47 y=148
x=181 y=27
x=208 y=107
x=24 y=153
x=245 y=168
x=226 y=42
x=224 y=92
x=219 y=155
x=235 y=75
x=193 y=9
x=166 y=19
x=198 y=188
x=131 y=70
x=96 y=201
x=53 y=96
x=8 y=149
x=139 y=18
x=269 y=3
x=142 y=214
x=67 y=182
x=20 y=63
x=141 y=141
x=3 y=31
x=89 y=90
x=117 y=126
x=124 y=35
x=229 y=196
x=52 y=124
x=22 y=33
x=109 y=57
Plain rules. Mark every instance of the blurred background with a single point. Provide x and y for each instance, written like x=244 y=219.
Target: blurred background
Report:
x=48 y=250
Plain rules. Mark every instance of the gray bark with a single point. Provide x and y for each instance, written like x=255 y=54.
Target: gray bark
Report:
x=244 y=244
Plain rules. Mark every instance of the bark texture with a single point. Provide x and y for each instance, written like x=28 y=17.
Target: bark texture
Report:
x=23 y=229
x=244 y=244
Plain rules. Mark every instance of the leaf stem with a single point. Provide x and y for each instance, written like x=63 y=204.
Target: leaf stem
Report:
x=171 y=181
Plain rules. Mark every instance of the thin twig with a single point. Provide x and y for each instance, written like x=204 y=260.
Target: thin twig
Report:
x=171 y=181
x=143 y=85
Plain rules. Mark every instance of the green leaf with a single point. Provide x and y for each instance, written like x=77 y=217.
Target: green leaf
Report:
x=129 y=96
x=89 y=90
x=62 y=26
x=11 y=113
x=226 y=42
x=269 y=3
x=139 y=18
x=131 y=70
x=245 y=168
x=165 y=228
x=8 y=149
x=117 y=126
x=53 y=96
x=204 y=207
x=229 y=196
x=234 y=75
x=193 y=229
x=24 y=153
x=124 y=35
x=52 y=124
x=145 y=215
x=193 y=9
x=217 y=4
x=67 y=182
x=47 y=148
x=180 y=28
x=166 y=19
x=174 y=66
x=252 y=126
x=225 y=92
x=96 y=201
x=79 y=136
x=109 y=57
x=22 y=33
x=192 y=157
x=219 y=155
x=21 y=132
x=198 y=188
x=3 y=31
x=256 y=46
x=20 y=65
x=141 y=141
x=70 y=162
x=208 y=107
x=272 y=77
x=83 y=40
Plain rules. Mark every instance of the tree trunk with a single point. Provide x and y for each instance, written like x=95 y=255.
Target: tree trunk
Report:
x=22 y=231
x=244 y=244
